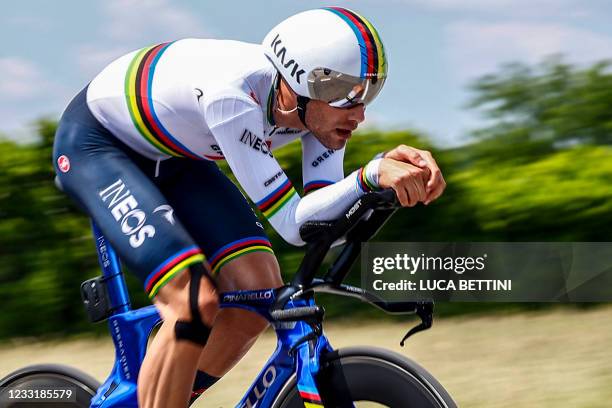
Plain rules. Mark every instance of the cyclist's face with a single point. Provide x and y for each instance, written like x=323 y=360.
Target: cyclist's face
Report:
x=333 y=127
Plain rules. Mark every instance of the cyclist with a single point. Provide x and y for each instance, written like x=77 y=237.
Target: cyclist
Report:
x=136 y=148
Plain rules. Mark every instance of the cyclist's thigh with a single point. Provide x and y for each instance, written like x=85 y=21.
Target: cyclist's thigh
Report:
x=215 y=213
x=105 y=179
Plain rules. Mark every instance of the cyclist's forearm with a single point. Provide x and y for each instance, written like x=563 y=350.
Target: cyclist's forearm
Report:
x=330 y=202
x=327 y=203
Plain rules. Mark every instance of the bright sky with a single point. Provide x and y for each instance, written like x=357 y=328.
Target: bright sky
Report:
x=50 y=50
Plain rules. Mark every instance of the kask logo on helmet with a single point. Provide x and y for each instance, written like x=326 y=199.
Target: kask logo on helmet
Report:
x=342 y=62
x=281 y=53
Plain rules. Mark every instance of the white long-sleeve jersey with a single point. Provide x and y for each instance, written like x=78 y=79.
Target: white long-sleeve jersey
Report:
x=212 y=100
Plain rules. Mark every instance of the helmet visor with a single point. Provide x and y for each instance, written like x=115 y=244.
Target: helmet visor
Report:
x=341 y=90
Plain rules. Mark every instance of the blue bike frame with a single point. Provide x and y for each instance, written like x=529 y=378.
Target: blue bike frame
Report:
x=131 y=329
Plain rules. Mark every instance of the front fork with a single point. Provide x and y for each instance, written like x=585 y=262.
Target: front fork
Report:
x=308 y=368
x=313 y=379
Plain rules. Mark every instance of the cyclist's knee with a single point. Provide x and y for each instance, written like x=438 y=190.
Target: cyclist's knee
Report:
x=208 y=305
x=191 y=300
x=257 y=270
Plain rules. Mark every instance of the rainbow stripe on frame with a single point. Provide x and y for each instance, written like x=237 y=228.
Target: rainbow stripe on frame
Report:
x=138 y=91
x=373 y=59
x=311 y=398
x=276 y=199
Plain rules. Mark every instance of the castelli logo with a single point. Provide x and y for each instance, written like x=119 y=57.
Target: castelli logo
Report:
x=63 y=163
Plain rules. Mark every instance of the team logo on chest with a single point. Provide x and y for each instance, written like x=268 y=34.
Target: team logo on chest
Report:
x=257 y=143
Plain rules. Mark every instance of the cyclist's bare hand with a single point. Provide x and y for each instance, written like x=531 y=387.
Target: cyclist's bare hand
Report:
x=423 y=159
x=408 y=181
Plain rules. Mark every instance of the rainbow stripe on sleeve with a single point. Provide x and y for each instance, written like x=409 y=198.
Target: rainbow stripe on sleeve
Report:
x=373 y=60
x=274 y=201
x=363 y=182
x=315 y=185
x=138 y=91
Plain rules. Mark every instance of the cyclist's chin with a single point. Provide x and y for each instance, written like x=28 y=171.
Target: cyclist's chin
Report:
x=335 y=139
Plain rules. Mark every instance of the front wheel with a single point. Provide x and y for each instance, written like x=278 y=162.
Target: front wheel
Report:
x=372 y=377
x=47 y=386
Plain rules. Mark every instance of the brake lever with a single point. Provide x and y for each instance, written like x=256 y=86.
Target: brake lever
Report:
x=425 y=312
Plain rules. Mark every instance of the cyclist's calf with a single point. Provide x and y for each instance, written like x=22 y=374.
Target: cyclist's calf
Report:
x=236 y=330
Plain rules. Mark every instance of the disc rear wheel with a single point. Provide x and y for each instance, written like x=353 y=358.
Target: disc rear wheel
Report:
x=47 y=386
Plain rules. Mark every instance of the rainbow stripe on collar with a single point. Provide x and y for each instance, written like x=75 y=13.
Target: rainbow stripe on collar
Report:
x=138 y=90
x=373 y=59
x=270 y=101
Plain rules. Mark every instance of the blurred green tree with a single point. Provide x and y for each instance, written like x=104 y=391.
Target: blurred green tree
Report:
x=45 y=248
x=536 y=110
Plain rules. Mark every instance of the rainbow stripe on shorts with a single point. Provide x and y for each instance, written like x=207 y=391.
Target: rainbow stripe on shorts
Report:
x=169 y=268
x=236 y=249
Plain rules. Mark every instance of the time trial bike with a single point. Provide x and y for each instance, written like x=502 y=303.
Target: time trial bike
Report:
x=304 y=370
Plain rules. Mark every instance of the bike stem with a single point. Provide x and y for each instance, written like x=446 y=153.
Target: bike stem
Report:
x=321 y=235
x=360 y=223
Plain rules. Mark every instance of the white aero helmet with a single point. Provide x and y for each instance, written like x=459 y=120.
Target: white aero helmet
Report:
x=331 y=54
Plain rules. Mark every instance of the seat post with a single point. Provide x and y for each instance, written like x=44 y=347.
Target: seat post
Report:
x=111 y=270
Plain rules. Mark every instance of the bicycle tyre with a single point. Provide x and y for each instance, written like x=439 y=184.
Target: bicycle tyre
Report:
x=376 y=375
x=46 y=376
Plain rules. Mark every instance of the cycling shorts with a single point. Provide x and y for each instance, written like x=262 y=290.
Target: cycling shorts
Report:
x=160 y=216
